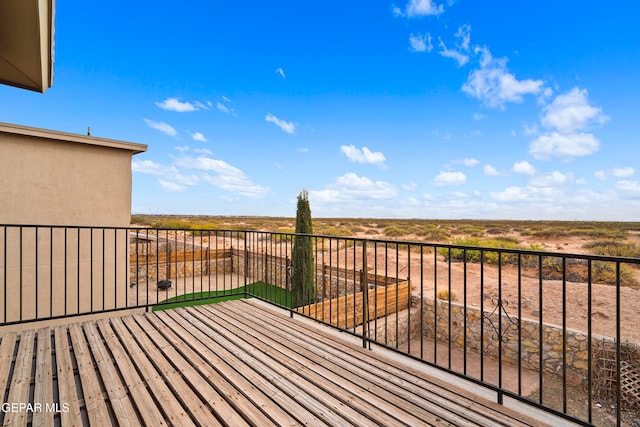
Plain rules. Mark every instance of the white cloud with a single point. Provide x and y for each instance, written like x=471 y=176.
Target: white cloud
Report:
x=625 y=172
x=162 y=127
x=288 y=127
x=227 y=176
x=571 y=112
x=220 y=106
x=495 y=86
x=464 y=36
x=174 y=179
x=412 y=186
x=150 y=167
x=524 y=168
x=630 y=188
x=513 y=193
x=351 y=187
x=202 y=151
x=173 y=104
x=169 y=177
x=459 y=57
x=459 y=195
x=197 y=136
x=490 y=170
x=420 y=43
x=171 y=187
x=530 y=130
x=450 y=178
x=363 y=156
x=181 y=148
x=479 y=116
x=563 y=146
x=280 y=72
x=470 y=161
x=423 y=8
x=601 y=175
x=552 y=179
x=200 y=106
x=567 y=117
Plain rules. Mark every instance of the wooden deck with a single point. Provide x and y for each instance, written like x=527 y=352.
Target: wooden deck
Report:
x=234 y=363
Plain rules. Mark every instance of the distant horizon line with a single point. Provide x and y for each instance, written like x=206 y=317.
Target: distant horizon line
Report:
x=391 y=218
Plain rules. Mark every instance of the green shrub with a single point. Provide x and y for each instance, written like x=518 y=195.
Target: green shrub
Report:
x=605 y=272
x=434 y=233
x=138 y=219
x=490 y=257
x=335 y=231
x=394 y=231
x=173 y=224
x=614 y=248
x=599 y=233
x=283 y=237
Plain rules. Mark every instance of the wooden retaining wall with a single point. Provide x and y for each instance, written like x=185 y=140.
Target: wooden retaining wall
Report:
x=347 y=311
x=180 y=256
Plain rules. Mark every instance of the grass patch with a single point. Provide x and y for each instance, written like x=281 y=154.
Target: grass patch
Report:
x=269 y=292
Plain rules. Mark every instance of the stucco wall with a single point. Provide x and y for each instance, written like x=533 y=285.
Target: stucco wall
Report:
x=54 y=178
x=51 y=178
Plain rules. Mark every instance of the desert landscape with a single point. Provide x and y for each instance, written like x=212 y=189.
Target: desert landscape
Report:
x=581 y=238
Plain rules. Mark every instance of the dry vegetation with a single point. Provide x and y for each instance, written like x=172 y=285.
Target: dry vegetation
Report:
x=601 y=238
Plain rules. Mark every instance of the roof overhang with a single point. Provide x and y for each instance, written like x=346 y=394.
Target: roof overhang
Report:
x=26 y=43
x=52 y=135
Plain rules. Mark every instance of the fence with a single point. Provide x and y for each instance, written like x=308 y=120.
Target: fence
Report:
x=557 y=331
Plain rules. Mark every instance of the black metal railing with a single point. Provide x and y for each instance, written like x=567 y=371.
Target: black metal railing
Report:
x=557 y=331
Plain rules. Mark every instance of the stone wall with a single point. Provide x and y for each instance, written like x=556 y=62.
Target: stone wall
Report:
x=260 y=266
x=482 y=331
x=161 y=271
x=396 y=330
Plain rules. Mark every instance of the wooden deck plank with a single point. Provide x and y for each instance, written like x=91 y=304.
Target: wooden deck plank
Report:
x=144 y=402
x=94 y=399
x=284 y=382
x=385 y=367
x=342 y=375
x=7 y=348
x=217 y=402
x=385 y=392
x=200 y=412
x=254 y=385
x=445 y=395
x=233 y=363
x=116 y=390
x=20 y=380
x=243 y=396
x=171 y=406
x=43 y=386
x=375 y=400
x=337 y=401
x=66 y=376
x=159 y=353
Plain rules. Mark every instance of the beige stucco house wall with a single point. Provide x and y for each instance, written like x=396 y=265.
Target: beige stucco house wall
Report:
x=57 y=178
x=50 y=180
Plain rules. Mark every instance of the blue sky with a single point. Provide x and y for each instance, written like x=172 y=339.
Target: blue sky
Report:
x=412 y=109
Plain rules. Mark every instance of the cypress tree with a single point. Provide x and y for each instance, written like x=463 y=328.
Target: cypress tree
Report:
x=303 y=288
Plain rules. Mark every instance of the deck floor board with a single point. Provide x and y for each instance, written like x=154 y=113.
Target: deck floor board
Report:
x=233 y=363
